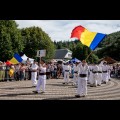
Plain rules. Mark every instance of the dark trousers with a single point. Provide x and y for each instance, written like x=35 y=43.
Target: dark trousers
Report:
x=17 y=75
x=21 y=75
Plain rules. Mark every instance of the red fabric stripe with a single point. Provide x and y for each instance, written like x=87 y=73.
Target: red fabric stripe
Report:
x=77 y=31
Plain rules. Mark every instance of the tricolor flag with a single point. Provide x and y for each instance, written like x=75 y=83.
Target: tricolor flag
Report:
x=88 y=38
x=16 y=59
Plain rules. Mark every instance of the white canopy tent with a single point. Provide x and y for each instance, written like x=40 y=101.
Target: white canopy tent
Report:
x=24 y=57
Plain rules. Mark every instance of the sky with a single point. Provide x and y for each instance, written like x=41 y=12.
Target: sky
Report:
x=61 y=29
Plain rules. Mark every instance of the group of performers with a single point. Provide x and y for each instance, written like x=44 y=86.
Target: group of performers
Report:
x=83 y=74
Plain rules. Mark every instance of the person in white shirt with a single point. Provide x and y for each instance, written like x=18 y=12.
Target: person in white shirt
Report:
x=63 y=64
x=82 y=81
x=52 y=71
x=76 y=70
x=95 y=70
x=67 y=70
x=109 y=71
x=99 y=74
x=17 y=71
x=105 y=72
x=47 y=71
x=42 y=77
x=34 y=68
x=90 y=79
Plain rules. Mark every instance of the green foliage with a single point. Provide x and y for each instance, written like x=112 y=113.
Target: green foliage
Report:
x=10 y=39
x=36 y=39
x=110 y=46
x=79 y=50
x=28 y=40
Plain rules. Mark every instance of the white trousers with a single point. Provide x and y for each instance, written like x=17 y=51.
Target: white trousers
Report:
x=105 y=77
x=82 y=86
x=109 y=74
x=75 y=78
x=95 y=78
x=34 y=78
x=91 y=78
x=41 y=82
x=66 y=77
x=99 y=78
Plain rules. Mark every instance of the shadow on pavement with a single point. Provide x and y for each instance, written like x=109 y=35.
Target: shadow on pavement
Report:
x=12 y=88
x=16 y=94
x=63 y=85
x=62 y=98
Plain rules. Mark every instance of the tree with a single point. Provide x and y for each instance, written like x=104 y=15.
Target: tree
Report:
x=85 y=52
x=110 y=46
x=36 y=39
x=81 y=52
x=55 y=44
x=78 y=51
x=10 y=39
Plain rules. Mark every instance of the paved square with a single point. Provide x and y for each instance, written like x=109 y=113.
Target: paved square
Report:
x=55 y=90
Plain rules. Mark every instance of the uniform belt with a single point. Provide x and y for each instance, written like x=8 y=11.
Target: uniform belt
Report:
x=104 y=71
x=66 y=70
x=75 y=71
x=42 y=73
x=83 y=75
x=95 y=72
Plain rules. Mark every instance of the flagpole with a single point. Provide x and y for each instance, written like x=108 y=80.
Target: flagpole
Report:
x=40 y=59
x=88 y=55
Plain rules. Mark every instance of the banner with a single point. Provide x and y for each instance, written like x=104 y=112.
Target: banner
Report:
x=41 y=53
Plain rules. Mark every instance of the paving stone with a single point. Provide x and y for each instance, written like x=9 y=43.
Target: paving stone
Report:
x=55 y=90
